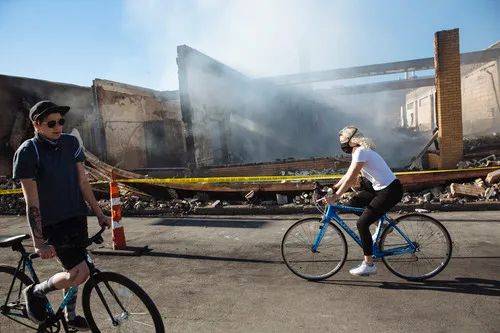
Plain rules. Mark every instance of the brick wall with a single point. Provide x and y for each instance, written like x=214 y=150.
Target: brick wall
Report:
x=448 y=97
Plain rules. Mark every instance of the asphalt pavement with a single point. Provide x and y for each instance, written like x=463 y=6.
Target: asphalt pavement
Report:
x=225 y=274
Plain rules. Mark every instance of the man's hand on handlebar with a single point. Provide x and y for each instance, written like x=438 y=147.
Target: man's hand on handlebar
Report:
x=104 y=221
x=46 y=251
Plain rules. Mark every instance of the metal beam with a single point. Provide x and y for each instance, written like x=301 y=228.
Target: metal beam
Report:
x=377 y=69
x=379 y=86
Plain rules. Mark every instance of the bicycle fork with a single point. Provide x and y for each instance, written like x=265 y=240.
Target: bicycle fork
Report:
x=320 y=234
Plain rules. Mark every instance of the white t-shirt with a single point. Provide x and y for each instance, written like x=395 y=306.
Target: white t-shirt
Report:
x=375 y=169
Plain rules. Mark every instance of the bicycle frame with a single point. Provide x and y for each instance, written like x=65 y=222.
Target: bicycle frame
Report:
x=26 y=263
x=332 y=214
x=54 y=316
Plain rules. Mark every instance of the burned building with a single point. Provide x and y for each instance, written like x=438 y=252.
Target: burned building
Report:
x=480 y=101
x=142 y=128
x=231 y=118
x=131 y=127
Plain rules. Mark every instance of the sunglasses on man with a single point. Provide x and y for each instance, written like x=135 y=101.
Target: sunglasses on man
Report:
x=52 y=123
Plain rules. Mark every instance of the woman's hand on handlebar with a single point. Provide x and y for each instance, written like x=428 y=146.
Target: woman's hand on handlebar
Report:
x=329 y=199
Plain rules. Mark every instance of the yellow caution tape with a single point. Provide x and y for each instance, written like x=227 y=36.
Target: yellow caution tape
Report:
x=254 y=179
x=13 y=191
x=257 y=179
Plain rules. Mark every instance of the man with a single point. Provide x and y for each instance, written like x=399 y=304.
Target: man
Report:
x=55 y=187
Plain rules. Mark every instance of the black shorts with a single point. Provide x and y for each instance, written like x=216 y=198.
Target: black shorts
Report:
x=72 y=232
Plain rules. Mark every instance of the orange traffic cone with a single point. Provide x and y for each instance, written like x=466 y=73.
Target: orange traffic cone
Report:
x=118 y=231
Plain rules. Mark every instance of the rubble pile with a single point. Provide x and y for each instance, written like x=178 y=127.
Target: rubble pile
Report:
x=141 y=205
x=480 y=143
x=313 y=172
x=454 y=194
x=138 y=203
x=487 y=161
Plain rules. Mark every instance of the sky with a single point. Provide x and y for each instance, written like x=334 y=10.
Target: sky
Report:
x=75 y=41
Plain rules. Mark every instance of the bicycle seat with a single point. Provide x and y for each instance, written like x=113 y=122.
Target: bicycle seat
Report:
x=6 y=241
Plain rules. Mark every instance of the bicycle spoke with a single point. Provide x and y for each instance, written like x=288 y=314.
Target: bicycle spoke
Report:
x=299 y=256
x=132 y=319
x=432 y=243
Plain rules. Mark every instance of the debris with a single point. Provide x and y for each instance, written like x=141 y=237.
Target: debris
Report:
x=490 y=193
x=250 y=195
x=436 y=192
x=466 y=190
x=406 y=199
x=447 y=201
x=416 y=161
x=421 y=210
x=281 y=199
x=487 y=161
x=493 y=177
x=479 y=182
x=216 y=203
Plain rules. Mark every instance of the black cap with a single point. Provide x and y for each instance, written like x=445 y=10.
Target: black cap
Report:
x=44 y=108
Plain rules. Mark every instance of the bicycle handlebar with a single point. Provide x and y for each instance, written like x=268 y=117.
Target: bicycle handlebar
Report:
x=97 y=239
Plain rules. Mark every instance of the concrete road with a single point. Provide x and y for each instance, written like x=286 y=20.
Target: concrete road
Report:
x=224 y=274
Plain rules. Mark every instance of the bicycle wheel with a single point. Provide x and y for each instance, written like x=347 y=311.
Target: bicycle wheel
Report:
x=433 y=243
x=296 y=249
x=113 y=303
x=14 y=317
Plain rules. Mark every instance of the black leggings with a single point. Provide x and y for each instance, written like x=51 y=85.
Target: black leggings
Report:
x=377 y=203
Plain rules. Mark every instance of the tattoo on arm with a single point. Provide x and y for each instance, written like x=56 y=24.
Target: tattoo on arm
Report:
x=35 y=222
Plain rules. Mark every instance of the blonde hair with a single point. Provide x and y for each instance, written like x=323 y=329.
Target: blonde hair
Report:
x=356 y=137
x=363 y=142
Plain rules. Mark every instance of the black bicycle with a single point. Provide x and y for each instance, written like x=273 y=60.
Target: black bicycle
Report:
x=111 y=302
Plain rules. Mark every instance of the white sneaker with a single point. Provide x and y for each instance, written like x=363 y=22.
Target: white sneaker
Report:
x=364 y=269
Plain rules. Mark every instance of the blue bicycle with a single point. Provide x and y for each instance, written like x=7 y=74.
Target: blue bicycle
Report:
x=414 y=247
x=111 y=302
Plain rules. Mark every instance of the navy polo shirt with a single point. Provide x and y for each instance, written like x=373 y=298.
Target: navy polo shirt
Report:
x=52 y=164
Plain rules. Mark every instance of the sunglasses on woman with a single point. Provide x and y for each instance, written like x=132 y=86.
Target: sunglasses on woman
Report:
x=52 y=123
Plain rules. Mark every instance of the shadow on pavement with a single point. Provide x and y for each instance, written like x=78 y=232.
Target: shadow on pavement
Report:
x=205 y=257
x=212 y=223
x=474 y=286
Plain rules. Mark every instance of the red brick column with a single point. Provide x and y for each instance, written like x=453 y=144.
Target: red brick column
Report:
x=448 y=98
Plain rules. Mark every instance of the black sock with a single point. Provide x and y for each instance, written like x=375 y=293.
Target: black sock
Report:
x=45 y=287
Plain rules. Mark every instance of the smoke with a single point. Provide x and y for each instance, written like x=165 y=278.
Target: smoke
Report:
x=236 y=119
x=259 y=38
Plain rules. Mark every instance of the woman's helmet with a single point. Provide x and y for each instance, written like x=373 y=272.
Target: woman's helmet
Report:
x=345 y=136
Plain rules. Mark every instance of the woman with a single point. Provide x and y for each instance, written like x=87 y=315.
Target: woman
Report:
x=382 y=193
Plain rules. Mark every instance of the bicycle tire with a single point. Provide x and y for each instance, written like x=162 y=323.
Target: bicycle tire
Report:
x=101 y=279
x=23 y=280
x=316 y=277
x=447 y=249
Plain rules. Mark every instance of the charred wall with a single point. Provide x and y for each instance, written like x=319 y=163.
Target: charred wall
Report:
x=231 y=118
x=143 y=128
x=18 y=94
